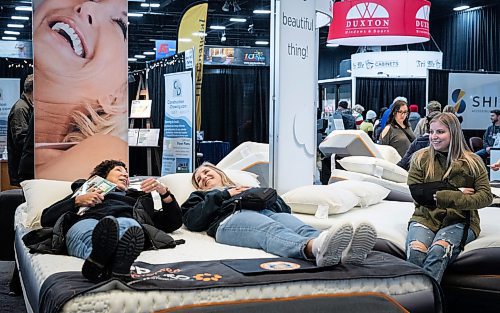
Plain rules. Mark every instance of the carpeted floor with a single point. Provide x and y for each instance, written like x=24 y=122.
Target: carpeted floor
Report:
x=9 y=304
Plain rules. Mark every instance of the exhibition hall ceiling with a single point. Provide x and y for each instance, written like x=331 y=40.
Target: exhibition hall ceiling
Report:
x=160 y=21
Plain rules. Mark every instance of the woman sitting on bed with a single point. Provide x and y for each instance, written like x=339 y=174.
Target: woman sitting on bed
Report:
x=108 y=230
x=213 y=209
x=445 y=219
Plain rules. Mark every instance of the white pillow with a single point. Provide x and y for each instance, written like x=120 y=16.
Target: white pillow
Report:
x=307 y=199
x=399 y=191
x=40 y=194
x=389 y=153
x=181 y=187
x=368 y=193
x=375 y=167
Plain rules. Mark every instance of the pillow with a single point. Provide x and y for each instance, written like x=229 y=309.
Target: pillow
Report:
x=180 y=183
x=398 y=191
x=375 y=167
x=368 y=193
x=389 y=153
x=307 y=199
x=40 y=194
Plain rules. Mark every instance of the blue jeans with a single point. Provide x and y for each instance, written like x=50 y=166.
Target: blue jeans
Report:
x=437 y=257
x=79 y=236
x=278 y=233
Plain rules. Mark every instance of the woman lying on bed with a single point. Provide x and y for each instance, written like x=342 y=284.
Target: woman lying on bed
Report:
x=108 y=230
x=273 y=229
x=449 y=183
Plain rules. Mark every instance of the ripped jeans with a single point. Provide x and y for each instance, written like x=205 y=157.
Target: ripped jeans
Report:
x=436 y=257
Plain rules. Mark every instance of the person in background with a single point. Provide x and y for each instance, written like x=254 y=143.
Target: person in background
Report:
x=490 y=135
x=496 y=166
x=414 y=116
x=438 y=232
x=347 y=118
x=433 y=106
x=377 y=129
x=397 y=133
x=357 y=113
x=212 y=208
x=385 y=117
x=451 y=109
x=367 y=125
x=17 y=129
x=417 y=144
x=108 y=231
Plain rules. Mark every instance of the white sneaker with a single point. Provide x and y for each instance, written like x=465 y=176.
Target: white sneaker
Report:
x=334 y=242
x=363 y=240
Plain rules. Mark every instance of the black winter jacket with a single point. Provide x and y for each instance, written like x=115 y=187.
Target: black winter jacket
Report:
x=417 y=144
x=59 y=217
x=205 y=210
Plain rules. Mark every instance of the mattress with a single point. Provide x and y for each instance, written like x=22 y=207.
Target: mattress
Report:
x=415 y=292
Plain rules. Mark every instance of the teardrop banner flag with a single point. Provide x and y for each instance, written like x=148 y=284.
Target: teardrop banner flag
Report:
x=191 y=34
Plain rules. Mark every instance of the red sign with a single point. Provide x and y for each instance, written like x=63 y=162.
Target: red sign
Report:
x=379 y=22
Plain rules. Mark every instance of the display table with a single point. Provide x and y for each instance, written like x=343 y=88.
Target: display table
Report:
x=213 y=151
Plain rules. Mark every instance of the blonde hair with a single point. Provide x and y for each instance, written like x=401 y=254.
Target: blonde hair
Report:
x=105 y=116
x=457 y=150
x=226 y=181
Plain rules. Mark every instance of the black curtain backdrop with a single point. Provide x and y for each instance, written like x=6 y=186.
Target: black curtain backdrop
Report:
x=156 y=87
x=470 y=40
x=235 y=104
x=375 y=93
x=438 y=86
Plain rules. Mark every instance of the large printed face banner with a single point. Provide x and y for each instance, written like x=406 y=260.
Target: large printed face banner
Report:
x=80 y=85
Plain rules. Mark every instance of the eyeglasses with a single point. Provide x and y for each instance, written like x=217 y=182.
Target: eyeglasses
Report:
x=403 y=112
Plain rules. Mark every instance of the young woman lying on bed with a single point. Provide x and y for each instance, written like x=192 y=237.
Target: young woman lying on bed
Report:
x=108 y=230
x=213 y=209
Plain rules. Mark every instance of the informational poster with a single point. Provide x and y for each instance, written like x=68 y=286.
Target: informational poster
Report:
x=474 y=95
x=9 y=94
x=133 y=136
x=236 y=56
x=80 y=86
x=140 y=109
x=165 y=48
x=293 y=107
x=148 y=137
x=178 y=136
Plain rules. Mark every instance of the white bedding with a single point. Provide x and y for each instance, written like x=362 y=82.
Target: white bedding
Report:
x=38 y=267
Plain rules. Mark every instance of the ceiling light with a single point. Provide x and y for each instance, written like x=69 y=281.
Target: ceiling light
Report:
x=132 y=59
x=333 y=45
x=23 y=8
x=135 y=14
x=261 y=11
x=9 y=38
x=225 y=7
x=238 y=19
x=9 y=32
x=154 y=5
x=262 y=42
x=184 y=40
x=145 y=5
x=461 y=8
x=199 y=34
x=23 y=18
x=15 y=25
x=139 y=56
x=219 y=27
x=149 y=53
x=236 y=6
x=223 y=38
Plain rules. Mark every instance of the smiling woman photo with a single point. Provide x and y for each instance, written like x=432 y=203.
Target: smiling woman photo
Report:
x=81 y=84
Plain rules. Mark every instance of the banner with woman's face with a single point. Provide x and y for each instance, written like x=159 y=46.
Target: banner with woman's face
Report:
x=80 y=85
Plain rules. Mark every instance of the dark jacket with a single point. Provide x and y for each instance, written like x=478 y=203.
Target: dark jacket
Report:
x=488 y=137
x=18 y=121
x=205 y=210
x=417 y=144
x=451 y=204
x=59 y=217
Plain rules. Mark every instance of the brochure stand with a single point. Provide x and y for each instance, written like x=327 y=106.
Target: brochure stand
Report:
x=141 y=112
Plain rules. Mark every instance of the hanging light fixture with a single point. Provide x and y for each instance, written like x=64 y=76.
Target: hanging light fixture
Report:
x=236 y=6
x=225 y=7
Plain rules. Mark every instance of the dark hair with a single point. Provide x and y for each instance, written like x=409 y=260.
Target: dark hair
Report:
x=495 y=111
x=395 y=107
x=105 y=167
x=343 y=104
x=28 y=84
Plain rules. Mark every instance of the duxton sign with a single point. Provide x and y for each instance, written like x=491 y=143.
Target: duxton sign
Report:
x=395 y=63
x=379 y=22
